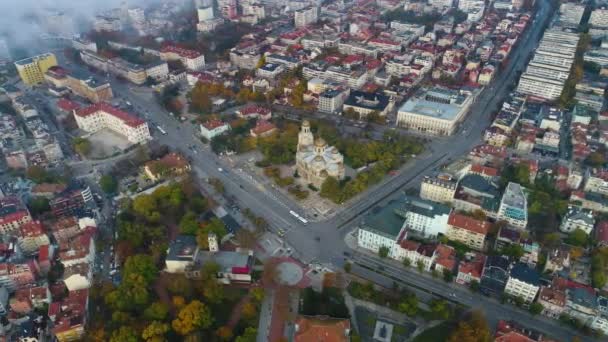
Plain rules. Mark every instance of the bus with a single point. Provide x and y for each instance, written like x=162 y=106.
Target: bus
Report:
x=300 y=218
x=162 y=131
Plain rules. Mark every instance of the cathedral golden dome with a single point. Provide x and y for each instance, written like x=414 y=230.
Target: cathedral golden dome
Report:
x=320 y=142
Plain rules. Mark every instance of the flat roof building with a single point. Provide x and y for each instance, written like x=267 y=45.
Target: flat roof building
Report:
x=436 y=111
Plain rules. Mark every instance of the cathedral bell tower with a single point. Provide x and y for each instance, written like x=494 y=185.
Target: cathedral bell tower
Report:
x=305 y=137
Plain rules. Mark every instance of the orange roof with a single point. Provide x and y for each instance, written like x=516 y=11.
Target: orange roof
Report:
x=262 y=127
x=484 y=170
x=468 y=223
x=48 y=187
x=321 y=329
x=213 y=124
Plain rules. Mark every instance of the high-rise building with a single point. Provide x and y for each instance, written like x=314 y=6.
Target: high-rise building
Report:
x=228 y=8
x=514 y=206
x=306 y=16
x=32 y=69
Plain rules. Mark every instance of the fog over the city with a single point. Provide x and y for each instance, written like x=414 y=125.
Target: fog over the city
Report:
x=24 y=20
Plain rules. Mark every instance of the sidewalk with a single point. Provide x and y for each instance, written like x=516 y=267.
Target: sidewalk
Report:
x=265 y=316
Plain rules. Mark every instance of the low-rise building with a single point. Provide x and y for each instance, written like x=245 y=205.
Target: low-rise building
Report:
x=13 y=214
x=467 y=230
x=321 y=328
x=577 y=218
x=524 y=282
x=103 y=115
x=32 y=236
x=270 y=70
x=170 y=164
x=254 y=112
x=191 y=59
x=263 y=129
x=365 y=103
x=557 y=260
x=471 y=268
x=553 y=301
x=212 y=128
x=69 y=316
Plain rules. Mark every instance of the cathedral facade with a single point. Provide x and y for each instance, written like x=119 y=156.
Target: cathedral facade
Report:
x=315 y=161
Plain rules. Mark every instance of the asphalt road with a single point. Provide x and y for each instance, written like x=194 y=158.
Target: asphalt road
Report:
x=330 y=247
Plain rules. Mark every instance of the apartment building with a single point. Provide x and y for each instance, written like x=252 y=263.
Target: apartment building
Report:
x=212 y=128
x=32 y=236
x=306 y=16
x=438 y=189
x=364 y=103
x=514 y=206
x=104 y=23
x=331 y=100
x=571 y=13
x=31 y=70
x=548 y=71
x=577 y=218
x=599 y=18
x=72 y=202
x=435 y=111
x=467 y=230
x=13 y=214
x=270 y=71
x=117 y=66
x=192 y=60
x=89 y=87
x=423 y=218
x=103 y=115
x=495 y=275
x=523 y=282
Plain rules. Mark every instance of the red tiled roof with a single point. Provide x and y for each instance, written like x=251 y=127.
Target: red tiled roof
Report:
x=213 y=124
x=67 y=105
x=446 y=256
x=484 y=170
x=601 y=231
x=262 y=127
x=253 y=109
x=31 y=229
x=321 y=328
x=127 y=118
x=473 y=267
x=468 y=223
x=185 y=53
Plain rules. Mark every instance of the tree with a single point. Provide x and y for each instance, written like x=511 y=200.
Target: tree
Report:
x=140 y=267
x=215 y=226
x=39 y=205
x=38 y=175
x=474 y=285
x=514 y=251
x=189 y=224
x=440 y=309
x=249 y=310
x=157 y=311
x=407 y=262
x=420 y=265
x=124 y=334
x=347 y=267
x=217 y=185
x=250 y=335
x=108 y=184
x=82 y=146
x=331 y=189
x=535 y=308
x=383 y=251
x=409 y=305
x=155 y=331
x=447 y=275
x=191 y=317
x=474 y=329
x=578 y=238
x=261 y=62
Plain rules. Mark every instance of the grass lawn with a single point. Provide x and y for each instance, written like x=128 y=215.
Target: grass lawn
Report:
x=437 y=333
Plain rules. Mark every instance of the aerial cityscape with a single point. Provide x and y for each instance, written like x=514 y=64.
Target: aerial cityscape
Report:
x=304 y=170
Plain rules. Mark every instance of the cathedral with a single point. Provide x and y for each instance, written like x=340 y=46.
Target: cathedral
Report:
x=315 y=161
